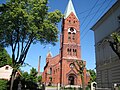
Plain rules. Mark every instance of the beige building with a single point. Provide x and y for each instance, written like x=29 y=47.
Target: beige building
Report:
x=5 y=72
x=107 y=62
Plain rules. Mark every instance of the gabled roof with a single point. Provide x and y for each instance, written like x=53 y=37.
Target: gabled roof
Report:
x=69 y=9
x=49 y=55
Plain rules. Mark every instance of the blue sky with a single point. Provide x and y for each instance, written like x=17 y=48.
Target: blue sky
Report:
x=87 y=16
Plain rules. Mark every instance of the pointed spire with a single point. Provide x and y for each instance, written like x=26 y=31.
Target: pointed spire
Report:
x=49 y=53
x=69 y=9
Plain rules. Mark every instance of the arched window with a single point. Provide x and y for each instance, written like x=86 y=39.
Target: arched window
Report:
x=69 y=51
x=71 y=65
x=69 y=21
x=71 y=29
x=74 y=52
x=69 y=36
x=50 y=71
x=73 y=36
x=73 y=21
x=6 y=68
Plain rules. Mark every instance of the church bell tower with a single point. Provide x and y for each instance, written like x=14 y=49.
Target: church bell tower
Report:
x=70 y=37
x=70 y=46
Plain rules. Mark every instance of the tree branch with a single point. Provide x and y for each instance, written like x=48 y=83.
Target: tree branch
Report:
x=75 y=67
x=114 y=49
x=22 y=44
x=18 y=51
x=24 y=52
x=17 y=43
x=13 y=52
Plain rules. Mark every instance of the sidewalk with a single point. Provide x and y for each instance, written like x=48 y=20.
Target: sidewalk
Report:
x=51 y=88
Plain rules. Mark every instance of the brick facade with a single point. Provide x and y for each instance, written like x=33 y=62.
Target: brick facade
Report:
x=59 y=69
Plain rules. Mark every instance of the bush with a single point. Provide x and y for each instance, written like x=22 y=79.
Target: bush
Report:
x=3 y=84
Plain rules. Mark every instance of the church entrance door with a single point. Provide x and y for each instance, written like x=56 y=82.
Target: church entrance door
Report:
x=71 y=80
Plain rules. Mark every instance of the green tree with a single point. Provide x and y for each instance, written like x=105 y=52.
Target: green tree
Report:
x=30 y=77
x=29 y=80
x=39 y=79
x=92 y=76
x=3 y=84
x=4 y=57
x=25 y=76
x=33 y=75
x=80 y=66
x=25 y=22
x=115 y=43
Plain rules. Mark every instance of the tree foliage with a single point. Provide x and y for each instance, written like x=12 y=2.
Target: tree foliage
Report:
x=3 y=84
x=33 y=75
x=30 y=77
x=26 y=22
x=39 y=79
x=25 y=75
x=23 y=22
x=92 y=75
x=4 y=57
x=30 y=80
x=115 y=43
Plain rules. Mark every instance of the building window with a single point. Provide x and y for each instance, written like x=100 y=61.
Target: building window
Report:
x=73 y=36
x=74 y=52
x=69 y=36
x=71 y=29
x=56 y=70
x=69 y=21
x=6 y=68
x=71 y=65
x=50 y=71
x=73 y=21
x=69 y=51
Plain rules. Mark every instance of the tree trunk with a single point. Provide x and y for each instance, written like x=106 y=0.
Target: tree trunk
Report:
x=12 y=79
x=83 y=84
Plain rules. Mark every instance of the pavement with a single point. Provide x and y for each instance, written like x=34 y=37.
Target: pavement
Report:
x=51 y=88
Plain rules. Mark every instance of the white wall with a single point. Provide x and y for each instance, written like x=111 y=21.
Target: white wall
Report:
x=6 y=73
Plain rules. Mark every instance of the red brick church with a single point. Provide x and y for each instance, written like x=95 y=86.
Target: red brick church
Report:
x=59 y=69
